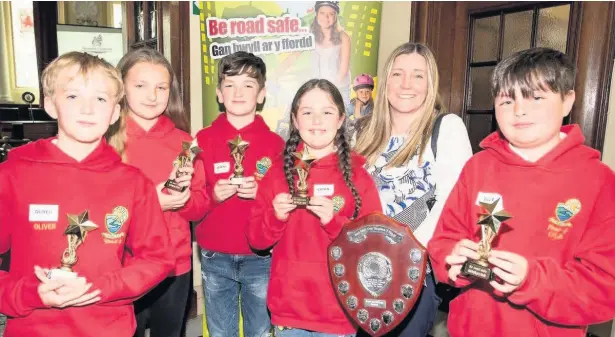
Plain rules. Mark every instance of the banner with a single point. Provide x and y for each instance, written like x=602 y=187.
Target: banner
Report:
x=293 y=41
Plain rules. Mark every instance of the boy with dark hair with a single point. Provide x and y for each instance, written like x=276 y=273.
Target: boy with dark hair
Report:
x=229 y=267
x=554 y=260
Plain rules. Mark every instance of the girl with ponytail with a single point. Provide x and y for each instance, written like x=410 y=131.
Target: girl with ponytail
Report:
x=300 y=298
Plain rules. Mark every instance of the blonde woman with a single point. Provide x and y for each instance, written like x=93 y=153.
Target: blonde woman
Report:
x=397 y=142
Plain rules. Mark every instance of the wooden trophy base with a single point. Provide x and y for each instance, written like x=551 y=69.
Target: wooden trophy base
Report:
x=172 y=185
x=237 y=181
x=301 y=201
x=477 y=269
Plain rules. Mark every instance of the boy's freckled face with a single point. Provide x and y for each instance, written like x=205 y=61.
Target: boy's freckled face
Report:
x=85 y=106
x=533 y=121
x=240 y=94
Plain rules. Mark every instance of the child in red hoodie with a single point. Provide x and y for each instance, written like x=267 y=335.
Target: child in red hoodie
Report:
x=301 y=299
x=555 y=258
x=77 y=183
x=150 y=137
x=229 y=267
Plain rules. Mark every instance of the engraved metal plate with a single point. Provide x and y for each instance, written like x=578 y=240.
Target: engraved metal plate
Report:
x=398 y=305
x=352 y=302
x=416 y=255
x=387 y=317
x=414 y=273
x=375 y=272
x=343 y=287
x=338 y=270
x=372 y=303
x=336 y=253
x=374 y=324
x=358 y=236
x=363 y=315
x=407 y=291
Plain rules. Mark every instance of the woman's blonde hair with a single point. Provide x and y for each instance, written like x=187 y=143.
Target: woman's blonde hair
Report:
x=116 y=136
x=375 y=131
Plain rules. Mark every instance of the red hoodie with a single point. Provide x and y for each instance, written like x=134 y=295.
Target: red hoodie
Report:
x=40 y=186
x=153 y=152
x=563 y=223
x=300 y=294
x=223 y=229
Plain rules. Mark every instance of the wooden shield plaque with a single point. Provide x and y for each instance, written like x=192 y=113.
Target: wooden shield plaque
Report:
x=377 y=270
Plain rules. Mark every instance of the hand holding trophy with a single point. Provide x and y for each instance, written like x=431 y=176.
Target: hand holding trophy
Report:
x=185 y=158
x=78 y=227
x=490 y=223
x=238 y=148
x=304 y=160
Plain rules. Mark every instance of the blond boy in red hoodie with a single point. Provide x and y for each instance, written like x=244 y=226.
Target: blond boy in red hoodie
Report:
x=75 y=183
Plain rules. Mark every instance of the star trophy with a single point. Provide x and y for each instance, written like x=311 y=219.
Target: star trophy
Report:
x=185 y=157
x=238 y=149
x=78 y=227
x=304 y=160
x=490 y=223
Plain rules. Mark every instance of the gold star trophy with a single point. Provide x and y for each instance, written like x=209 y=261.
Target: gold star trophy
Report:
x=185 y=158
x=304 y=160
x=490 y=223
x=78 y=227
x=238 y=149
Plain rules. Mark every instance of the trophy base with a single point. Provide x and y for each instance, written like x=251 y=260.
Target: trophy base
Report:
x=61 y=274
x=301 y=201
x=472 y=268
x=237 y=181
x=172 y=185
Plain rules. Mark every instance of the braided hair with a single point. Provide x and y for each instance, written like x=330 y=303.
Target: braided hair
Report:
x=341 y=143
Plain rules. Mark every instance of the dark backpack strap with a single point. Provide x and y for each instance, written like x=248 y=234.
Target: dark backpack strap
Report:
x=435 y=133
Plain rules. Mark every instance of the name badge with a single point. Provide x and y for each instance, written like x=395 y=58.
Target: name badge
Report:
x=222 y=167
x=43 y=212
x=324 y=190
x=489 y=198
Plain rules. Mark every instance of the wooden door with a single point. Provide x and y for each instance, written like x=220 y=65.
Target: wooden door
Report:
x=469 y=38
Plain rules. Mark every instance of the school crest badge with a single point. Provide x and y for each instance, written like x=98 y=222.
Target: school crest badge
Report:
x=261 y=167
x=560 y=224
x=114 y=223
x=338 y=203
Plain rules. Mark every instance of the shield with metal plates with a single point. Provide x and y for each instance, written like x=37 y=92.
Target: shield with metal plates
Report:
x=377 y=269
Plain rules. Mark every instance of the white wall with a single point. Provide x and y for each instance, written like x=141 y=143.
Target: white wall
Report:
x=394 y=29
x=608 y=153
x=196 y=73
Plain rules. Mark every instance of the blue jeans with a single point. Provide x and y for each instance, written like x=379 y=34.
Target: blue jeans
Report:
x=225 y=278
x=303 y=333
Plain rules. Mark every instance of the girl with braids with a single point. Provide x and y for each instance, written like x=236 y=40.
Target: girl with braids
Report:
x=149 y=136
x=300 y=296
x=400 y=144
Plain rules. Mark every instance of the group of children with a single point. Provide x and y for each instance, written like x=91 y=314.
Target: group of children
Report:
x=121 y=129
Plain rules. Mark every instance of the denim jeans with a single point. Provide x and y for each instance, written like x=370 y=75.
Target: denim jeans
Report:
x=303 y=333
x=225 y=278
